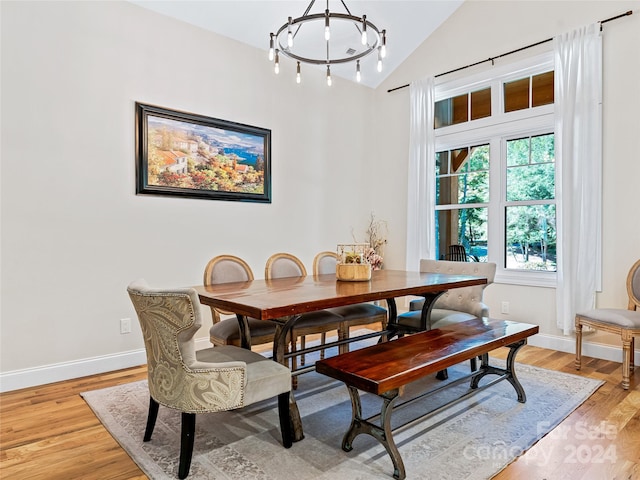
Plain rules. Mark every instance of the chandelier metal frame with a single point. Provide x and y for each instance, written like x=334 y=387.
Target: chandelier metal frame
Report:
x=281 y=42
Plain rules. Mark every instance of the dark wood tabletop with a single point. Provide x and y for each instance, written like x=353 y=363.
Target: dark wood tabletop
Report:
x=282 y=297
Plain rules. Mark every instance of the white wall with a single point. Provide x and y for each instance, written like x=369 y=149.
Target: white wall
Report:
x=74 y=233
x=484 y=29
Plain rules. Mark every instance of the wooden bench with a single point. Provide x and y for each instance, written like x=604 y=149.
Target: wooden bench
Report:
x=383 y=369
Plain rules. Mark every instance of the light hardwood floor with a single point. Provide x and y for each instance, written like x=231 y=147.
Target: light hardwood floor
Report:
x=49 y=432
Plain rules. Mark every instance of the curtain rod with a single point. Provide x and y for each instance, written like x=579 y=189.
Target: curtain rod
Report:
x=491 y=59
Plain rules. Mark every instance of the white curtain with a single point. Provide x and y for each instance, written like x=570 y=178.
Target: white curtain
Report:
x=421 y=183
x=578 y=137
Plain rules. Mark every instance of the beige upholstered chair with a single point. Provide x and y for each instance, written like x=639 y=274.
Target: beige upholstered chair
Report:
x=455 y=305
x=210 y=380
x=625 y=323
x=353 y=315
x=458 y=304
x=226 y=269
x=281 y=265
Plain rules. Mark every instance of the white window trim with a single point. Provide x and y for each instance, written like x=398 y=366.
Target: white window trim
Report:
x=495 y=131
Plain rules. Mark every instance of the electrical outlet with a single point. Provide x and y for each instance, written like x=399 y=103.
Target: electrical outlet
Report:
x=504 y=308
x=125 y=325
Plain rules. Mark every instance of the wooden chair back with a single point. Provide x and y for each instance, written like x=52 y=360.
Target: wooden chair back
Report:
x=281 y=265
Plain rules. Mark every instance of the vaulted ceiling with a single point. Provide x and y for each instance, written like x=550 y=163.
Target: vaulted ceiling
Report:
x=407 y=23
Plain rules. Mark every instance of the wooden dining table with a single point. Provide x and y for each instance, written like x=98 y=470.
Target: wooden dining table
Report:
x=284 y=300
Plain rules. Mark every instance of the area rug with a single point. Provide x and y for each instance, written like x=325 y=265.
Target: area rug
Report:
x=473 y=439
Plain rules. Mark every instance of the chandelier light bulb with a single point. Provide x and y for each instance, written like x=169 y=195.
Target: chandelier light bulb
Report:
x=271 y=49
x=298 y=73
x=358 y=76
x=290 y=34
x=364 y=29
x=383 y=48
x=380 y=59
x=276 y=68
x=328 y=76
x=327 y=30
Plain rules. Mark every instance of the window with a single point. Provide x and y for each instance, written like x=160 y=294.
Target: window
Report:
x=530 y=207
x=496 y=171
x=462 y=200
x=533 y=91
x=472 y=105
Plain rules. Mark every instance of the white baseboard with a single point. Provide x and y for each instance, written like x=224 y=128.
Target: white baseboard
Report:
x=57 y=372
x=31 y=377
x=589 y=349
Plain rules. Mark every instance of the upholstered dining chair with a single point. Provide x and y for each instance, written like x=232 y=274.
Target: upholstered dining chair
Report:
x=215 y=379
x=458 y=304
x=226 y=331
x=625 y=323
x=280 y=265
x=353 y=315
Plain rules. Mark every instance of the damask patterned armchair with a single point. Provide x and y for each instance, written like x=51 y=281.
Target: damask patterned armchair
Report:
x=209 y=380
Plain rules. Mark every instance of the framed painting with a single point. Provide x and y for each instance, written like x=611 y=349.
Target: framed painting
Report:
x=190 y=155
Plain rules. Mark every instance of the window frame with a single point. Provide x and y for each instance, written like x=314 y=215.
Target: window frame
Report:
x=495 y=131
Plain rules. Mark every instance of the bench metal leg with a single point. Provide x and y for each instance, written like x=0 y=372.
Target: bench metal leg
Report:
x=442 y=375
x=382 y=433
x=509 y=372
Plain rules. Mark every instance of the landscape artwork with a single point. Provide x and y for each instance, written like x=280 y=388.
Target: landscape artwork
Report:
x=191 y=155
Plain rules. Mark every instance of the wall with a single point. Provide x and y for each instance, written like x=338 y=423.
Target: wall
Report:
x=74 y=233
x=482 y=29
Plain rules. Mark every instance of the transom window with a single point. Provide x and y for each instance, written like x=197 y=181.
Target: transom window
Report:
x=533 y=91
x=462 y=108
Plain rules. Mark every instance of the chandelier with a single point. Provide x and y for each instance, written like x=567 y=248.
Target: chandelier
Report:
x=327 y=38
